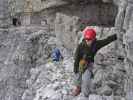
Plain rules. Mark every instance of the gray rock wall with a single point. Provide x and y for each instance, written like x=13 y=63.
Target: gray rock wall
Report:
x=124 y=21
x=20 y=50
x=114 y=71
x=128 y=41
x=4 y=14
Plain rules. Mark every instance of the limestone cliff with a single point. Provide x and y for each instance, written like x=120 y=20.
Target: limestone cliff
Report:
x=24 y=50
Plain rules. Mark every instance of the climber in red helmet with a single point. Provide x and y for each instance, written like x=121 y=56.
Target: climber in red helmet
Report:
x=84 y=59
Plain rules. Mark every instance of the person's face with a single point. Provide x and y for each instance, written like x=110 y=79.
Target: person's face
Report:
x=88 y=42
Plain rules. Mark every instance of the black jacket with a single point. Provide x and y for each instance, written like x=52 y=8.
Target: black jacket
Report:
x=90 y=52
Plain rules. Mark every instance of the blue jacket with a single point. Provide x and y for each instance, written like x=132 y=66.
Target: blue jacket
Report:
x=56 y=54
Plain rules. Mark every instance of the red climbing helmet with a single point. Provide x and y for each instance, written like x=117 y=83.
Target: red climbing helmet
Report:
x=89 y=34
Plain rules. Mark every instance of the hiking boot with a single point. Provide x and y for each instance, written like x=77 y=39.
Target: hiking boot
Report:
x=76 y=91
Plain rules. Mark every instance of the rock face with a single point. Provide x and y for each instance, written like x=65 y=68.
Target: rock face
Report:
x=125 y=23
x=4 y=15
x=128 y=48
x=18 y=46
x=67 y=17
x=25 y=70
